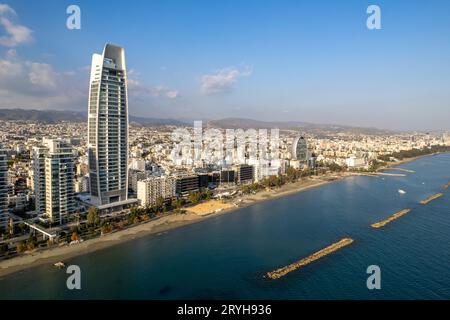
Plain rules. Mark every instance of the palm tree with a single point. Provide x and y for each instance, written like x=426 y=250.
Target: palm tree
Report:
x=93 y=217
x=77 y=216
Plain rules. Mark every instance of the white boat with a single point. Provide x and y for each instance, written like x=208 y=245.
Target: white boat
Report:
x=59 y=265
x=401 y=191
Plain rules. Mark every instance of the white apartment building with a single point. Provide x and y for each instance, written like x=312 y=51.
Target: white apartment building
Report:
x=152 y=188
x=355 y=162
x=54 y=179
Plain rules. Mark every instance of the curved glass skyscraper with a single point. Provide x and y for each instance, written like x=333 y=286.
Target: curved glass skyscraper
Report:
x=300 y=149
x=108 y=127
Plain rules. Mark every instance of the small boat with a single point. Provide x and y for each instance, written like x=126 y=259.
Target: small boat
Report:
x=59 y=265
x=401 y=191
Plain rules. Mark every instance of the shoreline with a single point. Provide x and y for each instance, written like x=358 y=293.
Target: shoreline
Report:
x=170 y=222
x=153 y=227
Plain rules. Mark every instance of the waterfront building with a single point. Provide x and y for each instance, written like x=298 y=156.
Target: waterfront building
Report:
x=300 y=150
x=59 y=181
x=38 y=164
x=203 y=180
x=186 y=184
x=213 y=179
x=53 y=177
x=355 y=162
x=245 y=173
x=108 y=128
x=3 y=188
x=152 y=188
x=227 y=176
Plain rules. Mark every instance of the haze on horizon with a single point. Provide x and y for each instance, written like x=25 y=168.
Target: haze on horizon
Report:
x=284 y=61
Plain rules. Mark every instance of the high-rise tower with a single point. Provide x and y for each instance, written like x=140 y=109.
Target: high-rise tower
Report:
x=3 y=188
x=108 y=127
x=59 y=181
x=54 y=179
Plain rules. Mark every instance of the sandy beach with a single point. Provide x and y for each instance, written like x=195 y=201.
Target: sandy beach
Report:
x=209 y=207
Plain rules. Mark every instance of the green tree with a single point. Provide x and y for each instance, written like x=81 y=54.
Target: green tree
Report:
x=194 y=197
x=93 y=217
x=292 y=174
x=375 y=165
x=334 y=167
x=207 y=194
x=21 y=246
x=178 y=203
x=31 y=242
x=159 y=204
x=22 y=227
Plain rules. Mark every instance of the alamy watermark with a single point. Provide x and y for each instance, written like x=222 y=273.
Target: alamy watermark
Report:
x=74 y=280
x=374 y=20
x=212 y=146
x=73 y=21
x=374 y=280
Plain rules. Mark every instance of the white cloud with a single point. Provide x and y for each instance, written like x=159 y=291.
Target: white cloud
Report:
x=38 y=85
x=42 y=75
x=133 y=85
x=172 y=94
x=161 y=91
x=4 y=8
x=16 y=33
x=9 y=69
x=11 y=53
x=135 y=88
x=223 y=80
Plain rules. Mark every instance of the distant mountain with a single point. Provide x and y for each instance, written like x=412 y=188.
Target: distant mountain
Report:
x=44 y=116
x=54 y=116
x=236 y=123
x=156 y=121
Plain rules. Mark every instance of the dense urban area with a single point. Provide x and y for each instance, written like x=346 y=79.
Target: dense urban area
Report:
x=41 y=212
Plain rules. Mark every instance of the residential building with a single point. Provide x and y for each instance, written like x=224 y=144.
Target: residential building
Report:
x=152 y=188
x=108 y=127
x=59 y=181
x=3 y=188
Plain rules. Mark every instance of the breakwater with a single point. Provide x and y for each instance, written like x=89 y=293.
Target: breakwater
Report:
x=281 y=272
x=391 y=218
x=400 y=169
x=431 y=198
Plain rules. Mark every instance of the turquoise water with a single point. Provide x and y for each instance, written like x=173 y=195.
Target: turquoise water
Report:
x=227 y=256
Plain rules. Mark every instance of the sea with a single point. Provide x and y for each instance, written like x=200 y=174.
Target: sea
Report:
x=228 y=256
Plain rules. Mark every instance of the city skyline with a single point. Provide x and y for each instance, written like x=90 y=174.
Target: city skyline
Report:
x=326 y=69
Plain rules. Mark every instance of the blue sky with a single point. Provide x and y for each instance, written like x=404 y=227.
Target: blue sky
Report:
x=312 y=61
